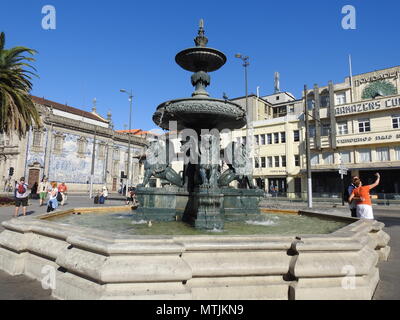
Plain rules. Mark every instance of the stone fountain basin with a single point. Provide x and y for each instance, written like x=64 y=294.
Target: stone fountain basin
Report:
x=200 y=113
x=95 y=264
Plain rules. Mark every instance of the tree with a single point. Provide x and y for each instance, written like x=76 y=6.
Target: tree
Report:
x=17 y=110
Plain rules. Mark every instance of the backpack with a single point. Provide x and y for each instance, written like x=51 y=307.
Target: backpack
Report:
x=59 y=197
x=21 y=188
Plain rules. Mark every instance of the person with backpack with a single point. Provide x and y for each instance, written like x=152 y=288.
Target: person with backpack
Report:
x=62 y=189
x=21 y=196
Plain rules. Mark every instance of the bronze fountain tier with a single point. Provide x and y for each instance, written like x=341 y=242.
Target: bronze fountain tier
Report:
x=200 y=111
x=201 y=196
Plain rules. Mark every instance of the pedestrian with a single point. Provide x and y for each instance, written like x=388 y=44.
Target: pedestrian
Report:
x=352 y=204
x=21 y=196
x=105 y=192
x=34 y=191
x=130 y=196
x=62 y=188
x=363 y=198
x=44 y=187
x=52 y=204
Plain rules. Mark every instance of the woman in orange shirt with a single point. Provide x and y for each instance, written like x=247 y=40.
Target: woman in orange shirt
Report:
x=363 y=198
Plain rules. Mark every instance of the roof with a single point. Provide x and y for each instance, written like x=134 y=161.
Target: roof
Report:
x=136 y=132
x=65 y=108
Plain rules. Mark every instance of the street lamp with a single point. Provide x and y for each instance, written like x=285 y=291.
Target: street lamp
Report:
x=246 y=63
x=129 y=139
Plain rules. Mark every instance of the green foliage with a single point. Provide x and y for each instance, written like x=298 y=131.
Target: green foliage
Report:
x=17 y=111
x=382 y=88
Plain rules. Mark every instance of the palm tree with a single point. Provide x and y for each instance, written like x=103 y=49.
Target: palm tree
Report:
x=17 y=111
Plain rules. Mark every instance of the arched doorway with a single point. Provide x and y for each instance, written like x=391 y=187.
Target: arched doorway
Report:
x=33 y=177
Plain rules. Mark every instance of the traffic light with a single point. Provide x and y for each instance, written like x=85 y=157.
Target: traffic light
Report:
x=11 y=171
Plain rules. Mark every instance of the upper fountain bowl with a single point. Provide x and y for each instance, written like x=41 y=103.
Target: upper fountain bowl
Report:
x=200 y=59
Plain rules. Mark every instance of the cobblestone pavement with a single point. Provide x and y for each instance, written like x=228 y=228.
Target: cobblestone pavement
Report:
x=23 y=288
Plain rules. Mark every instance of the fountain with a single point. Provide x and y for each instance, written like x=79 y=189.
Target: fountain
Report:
x=100 y=253
x=203 y=197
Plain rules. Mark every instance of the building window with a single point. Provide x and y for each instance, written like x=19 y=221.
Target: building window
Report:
x=340 y=98
x=397 y=151
x=283 y=161
x=244 y=140
x=312 y=131
x=325 y=129
x=314 y=159
x=345 y=157
x=256 y=163
x=270 y=164
x=37 y=138
x=297 y=160
x=296 y=135
x=364 y=125
x=82 y=143
x=324 y=101
x=257 y=139
x=382 y=154
x=102 y=150
x=291 y=108
x=365 y=155
x=310 y=104
x=116 y=154
x=269 y=138
x=283 y=137
x=58 y=143
x=279 y=111
x=116 y=168
x=263 y=164
x=276 y=161
x=342 y=128
x=276 y=137
x=396 y=121
x=327 y=157
x=262 y=139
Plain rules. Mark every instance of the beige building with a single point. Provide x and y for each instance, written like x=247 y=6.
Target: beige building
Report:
x=354 y=125
x=62 y=150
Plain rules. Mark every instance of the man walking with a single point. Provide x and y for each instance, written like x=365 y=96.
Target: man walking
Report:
x=363 y=198
x=43 y=189
x=21 y=197
x=353 y=203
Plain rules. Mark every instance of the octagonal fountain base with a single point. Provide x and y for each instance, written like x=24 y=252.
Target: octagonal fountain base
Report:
x=96 y=264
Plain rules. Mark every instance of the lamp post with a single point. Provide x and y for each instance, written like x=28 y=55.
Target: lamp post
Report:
x=129 y=140
x=308 y=160
x=246 y=63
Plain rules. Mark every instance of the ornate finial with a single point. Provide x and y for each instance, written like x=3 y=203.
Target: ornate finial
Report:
x=201 y=40
x=94 y=106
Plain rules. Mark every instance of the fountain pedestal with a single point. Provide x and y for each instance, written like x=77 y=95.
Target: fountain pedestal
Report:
x=158 y=204
x=240 y=204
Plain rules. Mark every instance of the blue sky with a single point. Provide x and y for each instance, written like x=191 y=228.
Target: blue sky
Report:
x=99 y=47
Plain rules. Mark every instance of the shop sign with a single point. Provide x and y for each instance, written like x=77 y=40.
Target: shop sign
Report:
x=375 y=105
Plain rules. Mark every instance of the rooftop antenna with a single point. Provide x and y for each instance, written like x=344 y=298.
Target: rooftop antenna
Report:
x=276 y=83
